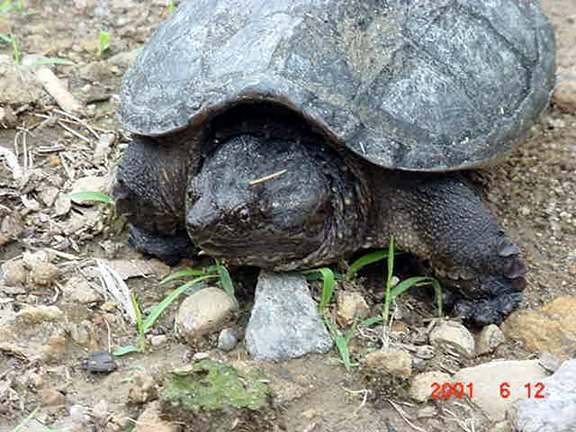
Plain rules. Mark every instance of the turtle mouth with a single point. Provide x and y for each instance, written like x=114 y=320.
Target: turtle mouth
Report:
x=252 y=240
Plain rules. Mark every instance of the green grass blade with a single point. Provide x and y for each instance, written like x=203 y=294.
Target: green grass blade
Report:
x=26 y=420
x=128 y=349
x=419 y=281
x=81 y=197
x=158 y=309
x=226 y=281
x=439 y=295
x=369 y=322
x=139 y=324
x=328 y=286
x=5 y=38
x=364 y=261
x=341 y=343
x=184 y=274
x=389 y=276
x=15 y=50
x=406 y=284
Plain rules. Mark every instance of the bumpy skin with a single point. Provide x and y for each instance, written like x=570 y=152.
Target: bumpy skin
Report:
x=442 y=219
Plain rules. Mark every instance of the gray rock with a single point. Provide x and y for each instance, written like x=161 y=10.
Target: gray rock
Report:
x=285 y=323
x=556 y=412
x=18 y=85
x=488 y=378
x=14 y=273
x=227 y=339
x=549 y=362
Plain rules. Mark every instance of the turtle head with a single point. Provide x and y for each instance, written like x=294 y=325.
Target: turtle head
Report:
x=272 y=203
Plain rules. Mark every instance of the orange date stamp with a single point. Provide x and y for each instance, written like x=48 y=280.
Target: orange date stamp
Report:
x=460 y=390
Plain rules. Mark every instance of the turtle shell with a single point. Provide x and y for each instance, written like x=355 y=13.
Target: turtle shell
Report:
x=422 y=85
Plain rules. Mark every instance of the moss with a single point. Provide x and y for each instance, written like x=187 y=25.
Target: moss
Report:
x=211 y=386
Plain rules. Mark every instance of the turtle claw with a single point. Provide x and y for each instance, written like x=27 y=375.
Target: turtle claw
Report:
x=487 y=311
x=169 y=249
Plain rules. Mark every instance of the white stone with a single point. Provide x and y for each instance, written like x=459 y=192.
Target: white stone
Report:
x=490 y=338
x=556 y=411
x=204 y=312
x=453 y=336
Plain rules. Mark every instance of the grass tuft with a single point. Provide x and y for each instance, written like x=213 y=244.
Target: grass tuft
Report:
x=10 y=5
x=145 y=323
x=394 y=291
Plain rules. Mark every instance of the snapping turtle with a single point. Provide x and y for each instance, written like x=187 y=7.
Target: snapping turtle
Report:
x=285 y=134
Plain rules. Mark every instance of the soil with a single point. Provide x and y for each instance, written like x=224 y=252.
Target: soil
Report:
x=533 y=194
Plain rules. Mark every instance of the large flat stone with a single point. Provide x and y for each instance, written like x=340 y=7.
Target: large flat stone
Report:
x=488 y=378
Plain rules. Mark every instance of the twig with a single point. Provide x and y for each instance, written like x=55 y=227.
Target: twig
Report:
x=56 y=88
x=73 y=132
x=403 y=415
x=79 y=121
x=109 y=335
x=267 y=178
x=116 y=287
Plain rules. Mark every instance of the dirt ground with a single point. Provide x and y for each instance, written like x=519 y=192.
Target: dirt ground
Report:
x=533 y=193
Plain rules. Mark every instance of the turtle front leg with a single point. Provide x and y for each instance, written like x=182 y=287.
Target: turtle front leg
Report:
x=442 y=219
x=149 y=191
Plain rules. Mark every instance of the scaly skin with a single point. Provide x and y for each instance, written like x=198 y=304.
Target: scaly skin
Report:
x=318 y=206
x=442 y=219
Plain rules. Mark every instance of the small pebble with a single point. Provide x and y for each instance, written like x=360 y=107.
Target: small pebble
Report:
x=390 y=362
x=490 y=338
x=203 y=312
x=158 y=340
x=51 y=397
x=143 y=388
x=452 y=336
x=100 y=362
x=228 y=339
x=39 y=314
x=350 y=306
x=44 y=274
x=549 y=362
x=421 y=386
x=14 y=273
